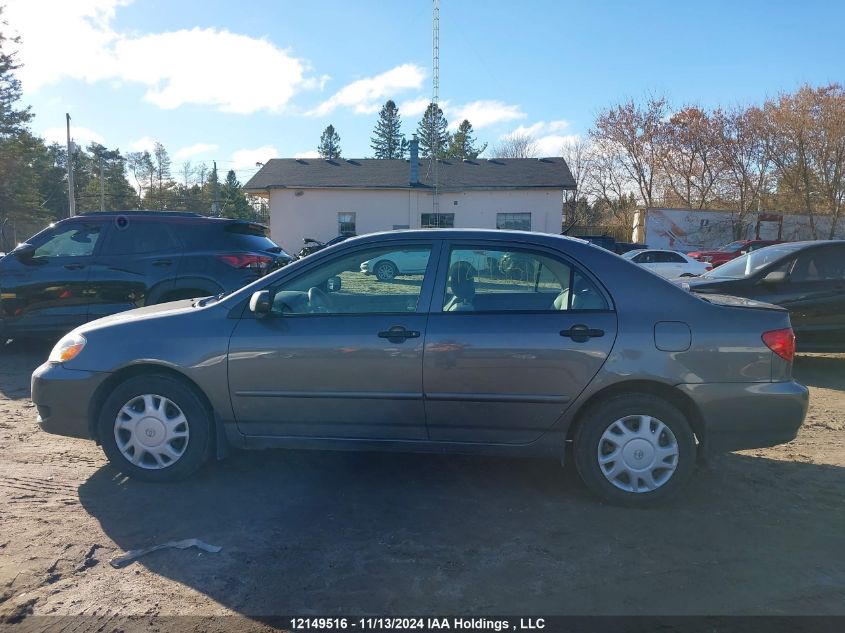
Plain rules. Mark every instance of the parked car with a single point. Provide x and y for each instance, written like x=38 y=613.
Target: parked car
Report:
x=609 y=243
x=806 y=278
x=730 y=251
x=311 y=246
x=314 y=356
x=95 y=264
x=668 y=264
x=388 y=266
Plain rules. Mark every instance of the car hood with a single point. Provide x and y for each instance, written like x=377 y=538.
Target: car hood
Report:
x=141 y=314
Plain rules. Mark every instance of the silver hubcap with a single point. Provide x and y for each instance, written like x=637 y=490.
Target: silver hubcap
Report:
x=385 y=271
x=638 y=453
x=151 y=431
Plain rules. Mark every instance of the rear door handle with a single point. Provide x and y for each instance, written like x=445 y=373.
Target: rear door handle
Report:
x=581 y=333
x=74 y=266
x=162 y=262
x=398 y=333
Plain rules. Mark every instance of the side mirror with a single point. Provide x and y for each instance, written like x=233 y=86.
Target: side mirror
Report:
x=259 y=303
x=774 y=277
x=24 y=252
x=333 y=284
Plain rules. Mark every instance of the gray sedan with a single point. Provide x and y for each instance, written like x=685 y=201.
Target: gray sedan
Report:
x=639 y=376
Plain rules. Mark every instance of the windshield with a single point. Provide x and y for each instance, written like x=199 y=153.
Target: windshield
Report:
x=732 y=247
x=750 y=263
x=631 y=254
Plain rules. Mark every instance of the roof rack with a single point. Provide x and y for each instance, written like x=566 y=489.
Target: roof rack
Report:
x=186 y=214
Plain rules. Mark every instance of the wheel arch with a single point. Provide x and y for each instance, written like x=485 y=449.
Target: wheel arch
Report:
x=648 y=387
x=141 y=369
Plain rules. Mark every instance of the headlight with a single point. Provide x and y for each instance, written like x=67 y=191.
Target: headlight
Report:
x=68 y=348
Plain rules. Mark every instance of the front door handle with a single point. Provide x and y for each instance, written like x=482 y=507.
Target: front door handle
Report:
x=74 y=266
x=397 y=334
x=162 y=262
x=581 y=333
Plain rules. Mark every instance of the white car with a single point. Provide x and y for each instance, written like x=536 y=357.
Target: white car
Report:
x=668 y=264
x=413 y=262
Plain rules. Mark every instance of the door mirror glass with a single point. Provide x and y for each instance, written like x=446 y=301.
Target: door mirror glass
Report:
x=333 y=284
x=259 y=303
x=775 y=277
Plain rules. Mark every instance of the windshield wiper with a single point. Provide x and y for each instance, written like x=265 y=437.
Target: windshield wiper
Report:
x=207 y=300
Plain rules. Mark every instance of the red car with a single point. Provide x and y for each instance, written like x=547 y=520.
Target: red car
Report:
x=731 y=251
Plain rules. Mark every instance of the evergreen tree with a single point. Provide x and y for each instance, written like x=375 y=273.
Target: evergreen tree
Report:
x=13 y=119
x=388 y=140
x=462 y=143
x=233 y=202
x=329 y=146
x=432 y=132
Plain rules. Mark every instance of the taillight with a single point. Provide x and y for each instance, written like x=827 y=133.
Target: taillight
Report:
x=708 y=267
x=781 y=342
x=246 y=260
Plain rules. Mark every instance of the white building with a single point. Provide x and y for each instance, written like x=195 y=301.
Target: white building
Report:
x=322 y=198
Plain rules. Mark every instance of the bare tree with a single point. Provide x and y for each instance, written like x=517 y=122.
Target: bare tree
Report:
x=746 y=161
x=690 y=159
x=187 y=172
x=607 y=182
x=516 y=146
x=630 y=134
x=577 y=210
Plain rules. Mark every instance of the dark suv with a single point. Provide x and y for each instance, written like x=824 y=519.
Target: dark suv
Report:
x=97 y=264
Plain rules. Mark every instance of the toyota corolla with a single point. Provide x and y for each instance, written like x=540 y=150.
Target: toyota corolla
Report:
x=640 y=377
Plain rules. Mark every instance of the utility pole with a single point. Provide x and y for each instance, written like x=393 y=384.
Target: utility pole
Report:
x=71 y=192
x=215 y=206
x=435 y=98
x=102 y=187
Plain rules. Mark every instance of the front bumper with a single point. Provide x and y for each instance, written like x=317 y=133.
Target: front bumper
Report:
x=63 y=398
x=738 y=416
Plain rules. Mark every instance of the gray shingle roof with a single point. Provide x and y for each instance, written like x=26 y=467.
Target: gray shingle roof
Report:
x=370 y=173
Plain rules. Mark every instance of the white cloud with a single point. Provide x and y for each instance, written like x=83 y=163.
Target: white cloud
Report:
x=414 y=107
x=366 y=96
x=309 y=154
x=81 y=135
x=549 y=141
x=145 y=143
x=244 y=159
x=482 y=113
x=194 y=150
x=76 y=40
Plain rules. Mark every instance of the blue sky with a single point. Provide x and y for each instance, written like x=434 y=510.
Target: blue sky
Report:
x=240 y=82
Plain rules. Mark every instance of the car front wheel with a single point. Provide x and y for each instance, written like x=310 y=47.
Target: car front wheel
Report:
x=635 y=450
x=385 y=271
x=155 y=428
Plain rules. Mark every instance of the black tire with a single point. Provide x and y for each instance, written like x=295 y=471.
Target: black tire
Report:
x=185 y=397
x=600 y=418
x=385 y=270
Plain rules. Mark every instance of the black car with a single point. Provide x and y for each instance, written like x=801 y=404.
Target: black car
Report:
x=807 y=278
x=311 y=246
x=96 y=264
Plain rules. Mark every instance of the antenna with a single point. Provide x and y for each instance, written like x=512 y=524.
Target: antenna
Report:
x=435 y=98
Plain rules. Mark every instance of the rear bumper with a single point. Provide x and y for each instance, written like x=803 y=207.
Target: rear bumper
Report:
x=749 y=415
x=63 y=398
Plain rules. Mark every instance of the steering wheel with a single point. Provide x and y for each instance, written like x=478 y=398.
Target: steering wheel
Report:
x=319 y=301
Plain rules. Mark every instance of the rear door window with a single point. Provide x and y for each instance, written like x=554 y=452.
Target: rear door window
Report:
x=486 y=280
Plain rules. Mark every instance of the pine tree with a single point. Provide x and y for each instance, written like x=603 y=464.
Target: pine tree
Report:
x=13 y=120
x=388 y=140
x=232 y=199
x=329 y=146
x=462 y=144
x=432 y=132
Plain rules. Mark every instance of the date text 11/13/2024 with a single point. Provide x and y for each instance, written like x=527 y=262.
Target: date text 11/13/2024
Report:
x=424 y=624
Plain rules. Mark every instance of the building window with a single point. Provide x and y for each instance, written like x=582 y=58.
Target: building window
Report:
x=513 y=221
x=346 y=223
x=400 y=227
x=437 y=220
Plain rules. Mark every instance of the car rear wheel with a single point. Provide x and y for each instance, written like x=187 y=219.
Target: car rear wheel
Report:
x=385 y=271
x=154 y=428
x=635 y=450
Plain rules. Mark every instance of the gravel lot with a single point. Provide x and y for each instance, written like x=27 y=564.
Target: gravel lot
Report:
x=758 y=532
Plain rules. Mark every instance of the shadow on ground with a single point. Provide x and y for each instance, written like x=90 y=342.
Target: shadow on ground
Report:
x=816 y=370
x=322 y=532
x=18 y=359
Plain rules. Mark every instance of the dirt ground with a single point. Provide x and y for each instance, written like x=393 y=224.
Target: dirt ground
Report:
x=758 y=532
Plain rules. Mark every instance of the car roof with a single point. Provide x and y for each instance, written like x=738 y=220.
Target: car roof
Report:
x=189 y=215
x=480 y=234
